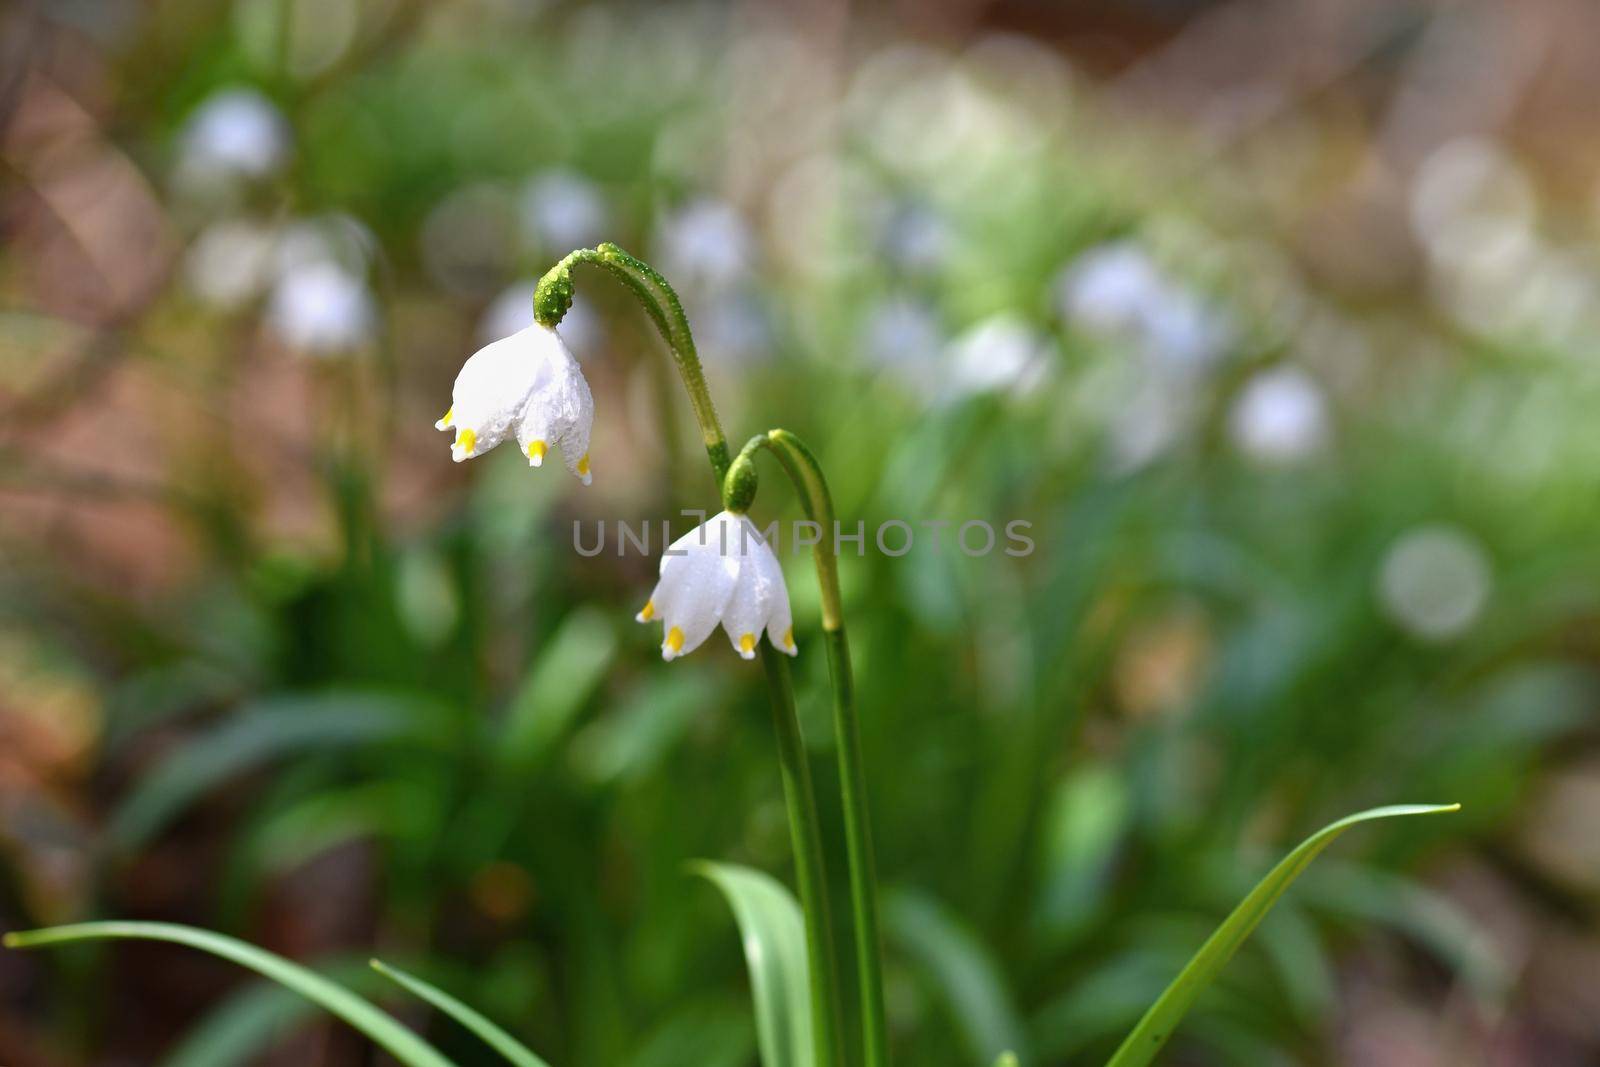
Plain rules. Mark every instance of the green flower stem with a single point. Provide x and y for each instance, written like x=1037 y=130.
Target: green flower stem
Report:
x=739 y=487
x=551 y=300
x=827 y=1016
x=553 y=297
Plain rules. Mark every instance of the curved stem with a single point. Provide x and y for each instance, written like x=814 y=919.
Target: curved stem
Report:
x=553 y=297
x=806 y=473
x=551 y=301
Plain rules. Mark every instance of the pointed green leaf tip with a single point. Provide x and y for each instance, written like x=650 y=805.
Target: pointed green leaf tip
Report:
x=1153 y=1031
x=401 y=1043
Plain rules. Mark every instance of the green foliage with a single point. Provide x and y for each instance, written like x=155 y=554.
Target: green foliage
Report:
x=1156 y=1027
x=514 y=1051
x=379 y=672
x=773 y=933
x=384 y=1031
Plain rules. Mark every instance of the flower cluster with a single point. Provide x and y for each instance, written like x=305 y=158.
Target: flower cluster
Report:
x=529 y=387
x=525 y=386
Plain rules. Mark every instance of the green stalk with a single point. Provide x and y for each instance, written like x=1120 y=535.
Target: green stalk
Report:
x=810 y=870
x=552 y=298
x=803 y=469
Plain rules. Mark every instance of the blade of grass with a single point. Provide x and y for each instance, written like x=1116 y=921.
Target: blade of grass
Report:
x=1153 y=1030
x=775 y=950
x=401 y=1043
x=492 y=1035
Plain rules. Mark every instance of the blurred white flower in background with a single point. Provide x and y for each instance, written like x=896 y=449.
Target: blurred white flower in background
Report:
x=562 y=210
x=1001 y=353
x=322 y=308
x=1106 y=290
x=707 y=244
x=1434 y=582
x=1475 y=212
x=512 y=311
x=1279 y=416
x=235 y=133
x=1470 y=198
x=1117 y=292
x=230 y=263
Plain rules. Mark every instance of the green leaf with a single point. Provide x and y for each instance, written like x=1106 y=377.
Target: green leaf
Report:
x=492 y=1035
x=775 y=949
x=1152 y=1031
x=250 y=1020
x=964 y=971
x=566 y=673
x=259 y=733
x=401 y=1043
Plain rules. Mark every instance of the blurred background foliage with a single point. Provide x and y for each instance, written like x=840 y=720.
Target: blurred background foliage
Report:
x=1276 y=321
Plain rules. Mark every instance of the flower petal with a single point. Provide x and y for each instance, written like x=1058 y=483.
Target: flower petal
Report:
x=493 y=388
x=760 y=581
x=559 y=413
x=698 y=574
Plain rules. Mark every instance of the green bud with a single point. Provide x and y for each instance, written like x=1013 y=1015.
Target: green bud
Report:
x=739 y=487
x=553 y=296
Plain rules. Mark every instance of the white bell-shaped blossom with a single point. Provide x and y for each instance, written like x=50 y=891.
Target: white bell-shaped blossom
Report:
x=721 y=571
x=525 y=387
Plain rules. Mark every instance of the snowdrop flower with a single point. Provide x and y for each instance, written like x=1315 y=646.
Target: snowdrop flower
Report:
x=1279 y=416
x=229 y=263
x=708 y=244
x=237 y=131
x=721 y=571
x=1003 y=353
x=1108 y=289
x=526 y=386
x=1435 y=581
x=322 y=308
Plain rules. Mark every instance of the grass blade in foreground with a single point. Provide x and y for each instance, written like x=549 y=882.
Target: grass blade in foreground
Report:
x=775 y=949
x=1156 y=1027
x=401 y=1043
x=492 y=1035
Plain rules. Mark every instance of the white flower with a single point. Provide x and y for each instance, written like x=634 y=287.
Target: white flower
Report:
x=721 y=571
x=229 y=263
x=322 y=308
x=1279 y=416
x=707 y=244
x=1435 y=581
x=236 y=131
x=526 y=386
x=1000 y=354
